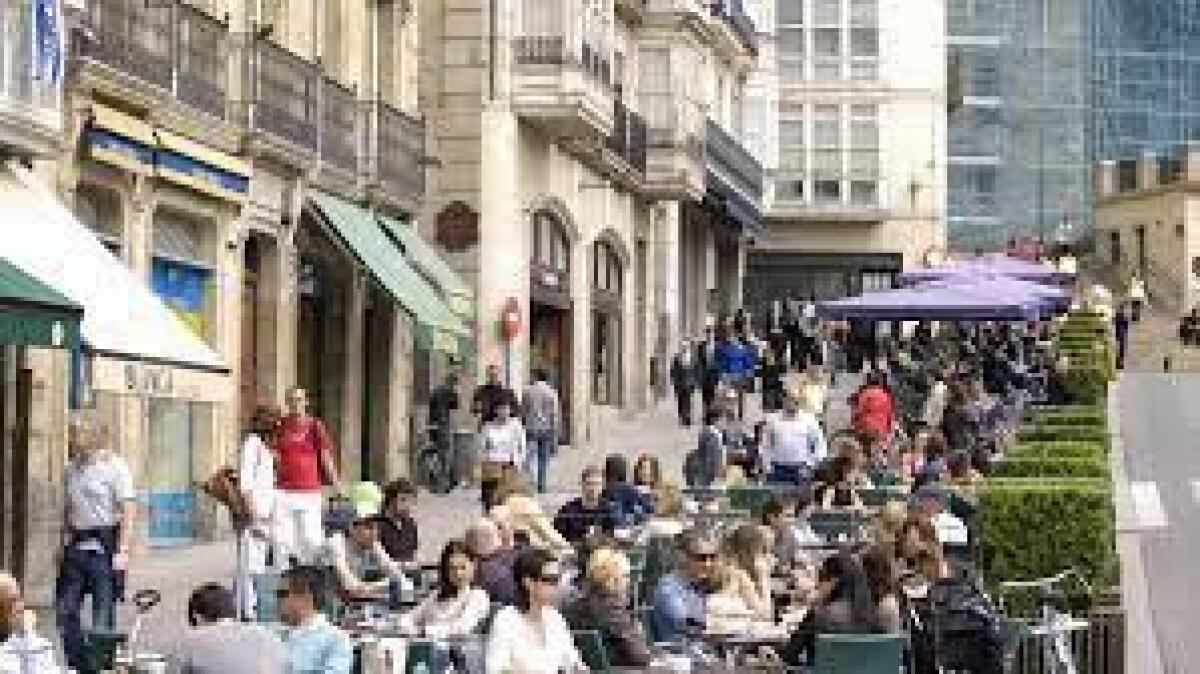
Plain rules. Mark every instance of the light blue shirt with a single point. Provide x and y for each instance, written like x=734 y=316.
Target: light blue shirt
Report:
x=676 y=602
x=317 y=648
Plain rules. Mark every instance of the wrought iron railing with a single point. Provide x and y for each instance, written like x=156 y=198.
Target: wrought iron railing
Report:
x=285 y=94
x=201 y=77
x=540 y=50
x=728 y=155
x=398 y=147
x=134 y=37
x=628 y=139
x=339 y=126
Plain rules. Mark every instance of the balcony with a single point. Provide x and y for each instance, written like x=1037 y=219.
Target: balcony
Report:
x=339 y=128
x=724 y=23
x=396 y=147
x=563 y=83
x=732 y=14
x=31 y=122
x=283 y=115
x=623 y=157
x=675 y=146
x=141 y=52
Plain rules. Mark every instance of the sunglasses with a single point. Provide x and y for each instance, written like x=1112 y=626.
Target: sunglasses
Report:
x=704 y=556
x=549 y=578
x=282 y=594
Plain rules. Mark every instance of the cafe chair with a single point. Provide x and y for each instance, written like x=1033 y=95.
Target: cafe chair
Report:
x=420 y=652
x=830 y=524
x=859 y=654
x=748 y=499
x=591 y=647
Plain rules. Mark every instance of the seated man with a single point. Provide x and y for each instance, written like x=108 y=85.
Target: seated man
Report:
x=495 y=560
x=933 y=502
x=678 y=600
x=218 y=644
x=310 y=643
x=589 y=514
x=397 y=528
x=20 y=649
x=630 y=506
x=364 y=570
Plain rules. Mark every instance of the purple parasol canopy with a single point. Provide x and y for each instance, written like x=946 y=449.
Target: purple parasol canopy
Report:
x=991 y=265
x=942 y=302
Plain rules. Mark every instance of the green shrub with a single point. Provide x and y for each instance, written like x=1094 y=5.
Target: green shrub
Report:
x=1082 y=416
x=1035 y=528
x=1059 y=448
x=1051 y=466
x=1038 y=432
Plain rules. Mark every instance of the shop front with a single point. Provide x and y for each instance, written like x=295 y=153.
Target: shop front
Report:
x=551 y=312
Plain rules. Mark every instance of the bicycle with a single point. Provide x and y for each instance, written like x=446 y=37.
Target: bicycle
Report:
x=1055 y=624
x=432 y=469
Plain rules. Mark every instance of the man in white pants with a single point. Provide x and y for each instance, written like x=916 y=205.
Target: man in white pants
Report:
x=304 y=462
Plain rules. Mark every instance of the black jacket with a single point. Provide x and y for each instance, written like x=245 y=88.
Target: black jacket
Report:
x=595 y=609
x=684 y=376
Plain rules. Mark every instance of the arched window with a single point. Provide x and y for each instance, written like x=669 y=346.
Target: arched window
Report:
x=550 y=242
x=606 y=269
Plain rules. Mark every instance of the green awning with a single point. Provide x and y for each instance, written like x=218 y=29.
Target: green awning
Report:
x=440 y=329
x=458 y=294
x=34 y=314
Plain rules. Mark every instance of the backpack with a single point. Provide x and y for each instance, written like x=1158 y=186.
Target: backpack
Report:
x=965 y=630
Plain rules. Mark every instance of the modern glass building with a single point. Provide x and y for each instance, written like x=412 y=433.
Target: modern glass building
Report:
x=1047 y=87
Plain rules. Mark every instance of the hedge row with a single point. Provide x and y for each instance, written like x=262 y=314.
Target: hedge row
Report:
x=1051 y=466
x=1082 y=415
x=1035 y=528
x=1067 y=449
x=1031 y=433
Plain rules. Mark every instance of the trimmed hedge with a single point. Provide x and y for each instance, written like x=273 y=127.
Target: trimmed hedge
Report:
x=1051 y=466
x=1085 y=417
x=1034 y=528
x=1067 y=449
x=1041 y=433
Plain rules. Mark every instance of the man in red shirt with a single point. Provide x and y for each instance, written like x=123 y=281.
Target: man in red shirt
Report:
x=303 y=465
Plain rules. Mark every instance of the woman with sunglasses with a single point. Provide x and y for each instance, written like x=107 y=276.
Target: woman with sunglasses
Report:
x=532 y=637
x=459 y=605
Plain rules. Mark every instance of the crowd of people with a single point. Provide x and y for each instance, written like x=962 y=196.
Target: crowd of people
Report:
x=635 y=557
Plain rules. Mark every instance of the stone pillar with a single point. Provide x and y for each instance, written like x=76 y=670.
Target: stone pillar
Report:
x=503 y=245
x=582 y=411
x=353 y=379
x=139 y=228
x=737 y=276
x=667 y=252
x=1147 y=171
x=1105 y=175
x=396 y=439
x=707 y=276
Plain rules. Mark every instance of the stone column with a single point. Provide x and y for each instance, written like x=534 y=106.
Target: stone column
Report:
x=396 y=441
x=667 y=252
x=582 y=411
x=353 y=378
x=503 y=245
x=737 y=276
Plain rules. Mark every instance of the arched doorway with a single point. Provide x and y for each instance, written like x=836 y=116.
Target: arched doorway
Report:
x=607 y=289
x=550 y=306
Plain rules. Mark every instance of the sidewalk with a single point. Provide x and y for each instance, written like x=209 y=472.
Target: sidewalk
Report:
x=175 y=572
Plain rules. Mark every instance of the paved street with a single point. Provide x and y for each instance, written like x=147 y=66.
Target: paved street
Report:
x=1161 y=427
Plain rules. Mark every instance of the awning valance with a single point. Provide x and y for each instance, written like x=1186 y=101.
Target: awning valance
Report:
x=121 y=140
x=34 y=314
x=362 y=235
x=458 y=295
x=122 y=317
x=738 y=208
x=185 y=162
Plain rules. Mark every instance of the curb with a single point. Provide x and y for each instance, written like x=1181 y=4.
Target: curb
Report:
x=1142 y=653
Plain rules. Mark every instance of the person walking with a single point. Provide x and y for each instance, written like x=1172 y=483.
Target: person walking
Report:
x=771 y=371
x=685 y=375
x=255 y=530
x=735 y=362
x=304 y=464
x=490 y=395
x=874 y=414
x=1121 y=334
x=443 y=401
x=504 y=448
x=710 y=372
x=543 y=424
x=100 y=514
x=1137 y=297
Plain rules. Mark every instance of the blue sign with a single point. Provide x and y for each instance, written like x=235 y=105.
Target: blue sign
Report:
x=47 y=41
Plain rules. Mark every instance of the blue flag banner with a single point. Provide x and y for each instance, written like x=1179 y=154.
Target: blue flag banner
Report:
x=47 y=41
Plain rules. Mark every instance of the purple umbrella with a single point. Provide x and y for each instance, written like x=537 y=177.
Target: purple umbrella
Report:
x=986 y=266
x=1001 y=286
x=937 y=303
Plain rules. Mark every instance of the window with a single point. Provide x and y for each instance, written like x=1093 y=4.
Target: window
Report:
x=606 y=269
x=792 y=48
x=864 y=142
x=331 y=46
x=792 y=155
x=827 y=12
x=789 y=189
x=274 y=13
x=864 y=192
x=181 y=268
x=827 y=191
x=100 y=209
x=549 y=242
x=864 y=40
x=789 y=12
x=654 y=93
x=827 y=54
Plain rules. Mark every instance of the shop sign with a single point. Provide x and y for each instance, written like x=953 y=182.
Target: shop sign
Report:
x=457 y=227
x=155 y=381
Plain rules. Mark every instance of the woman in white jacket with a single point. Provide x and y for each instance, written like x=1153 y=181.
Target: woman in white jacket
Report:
x=256 y=479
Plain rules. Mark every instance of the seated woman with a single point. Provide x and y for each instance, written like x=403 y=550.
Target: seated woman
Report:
x=628 y=503
x=363 y=569
x=602 y=605
x=747 y=552
x=870 y=600
x=666 y=521
x=458 y=606
x=532 y=637
x=836 y=486
x=647 y=475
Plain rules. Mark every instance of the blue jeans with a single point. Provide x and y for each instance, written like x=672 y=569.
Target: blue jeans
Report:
x=83 y=573
x=542 y=446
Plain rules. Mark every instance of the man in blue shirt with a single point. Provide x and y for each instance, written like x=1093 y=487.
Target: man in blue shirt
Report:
x=736 y=361
x=678 y=599
x=311 y=644
x=588 y=515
